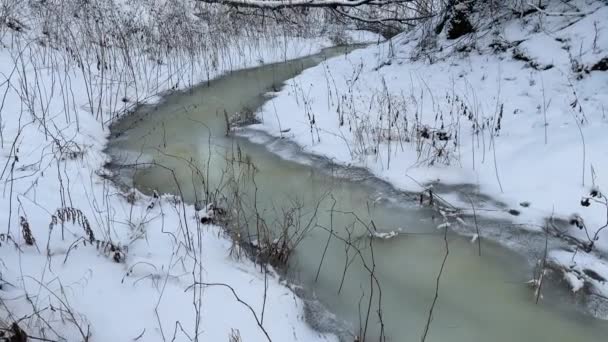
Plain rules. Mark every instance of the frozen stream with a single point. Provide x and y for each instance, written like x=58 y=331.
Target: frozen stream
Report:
x=480 y=298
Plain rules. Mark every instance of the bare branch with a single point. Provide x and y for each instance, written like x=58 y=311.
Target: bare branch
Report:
x=279 y=4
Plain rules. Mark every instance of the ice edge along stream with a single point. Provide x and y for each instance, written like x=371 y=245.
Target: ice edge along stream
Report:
x=480 y=298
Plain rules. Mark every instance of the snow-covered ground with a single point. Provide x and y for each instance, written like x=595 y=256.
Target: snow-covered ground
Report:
x=81 y=258
x=518 y=110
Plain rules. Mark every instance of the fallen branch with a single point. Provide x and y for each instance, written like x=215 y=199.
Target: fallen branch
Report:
x=238 y=299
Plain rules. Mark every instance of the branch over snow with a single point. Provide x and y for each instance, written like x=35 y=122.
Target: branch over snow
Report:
x=557 y=14
x=381 y=20
x=278 y=4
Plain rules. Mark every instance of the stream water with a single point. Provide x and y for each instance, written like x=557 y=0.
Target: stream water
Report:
x=480 y=298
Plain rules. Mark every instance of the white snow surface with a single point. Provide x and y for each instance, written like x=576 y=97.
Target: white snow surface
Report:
x=371 y=108
x=131 y=276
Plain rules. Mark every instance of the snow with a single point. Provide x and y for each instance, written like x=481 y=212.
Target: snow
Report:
x=582 y=269
x=575 y=282
x=120 y=300
x=139 y=272
x=541 y=118
x=384 y=235
x=81 y=257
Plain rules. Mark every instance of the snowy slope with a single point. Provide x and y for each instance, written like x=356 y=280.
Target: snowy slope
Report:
x=518 y=111
x=81 y=258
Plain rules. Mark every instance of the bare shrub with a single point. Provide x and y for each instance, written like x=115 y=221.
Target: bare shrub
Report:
x=75 y=216
x=235 y=336
x=339 y=38
x=26 y=231
x=595 y=197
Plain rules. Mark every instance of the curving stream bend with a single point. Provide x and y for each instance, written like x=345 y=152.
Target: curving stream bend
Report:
x=480 y=298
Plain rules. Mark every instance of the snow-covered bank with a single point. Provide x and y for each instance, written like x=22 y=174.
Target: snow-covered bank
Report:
x=81 y=259
x=517 y=110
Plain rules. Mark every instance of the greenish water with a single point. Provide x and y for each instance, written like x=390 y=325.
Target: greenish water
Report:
x=480 y=298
